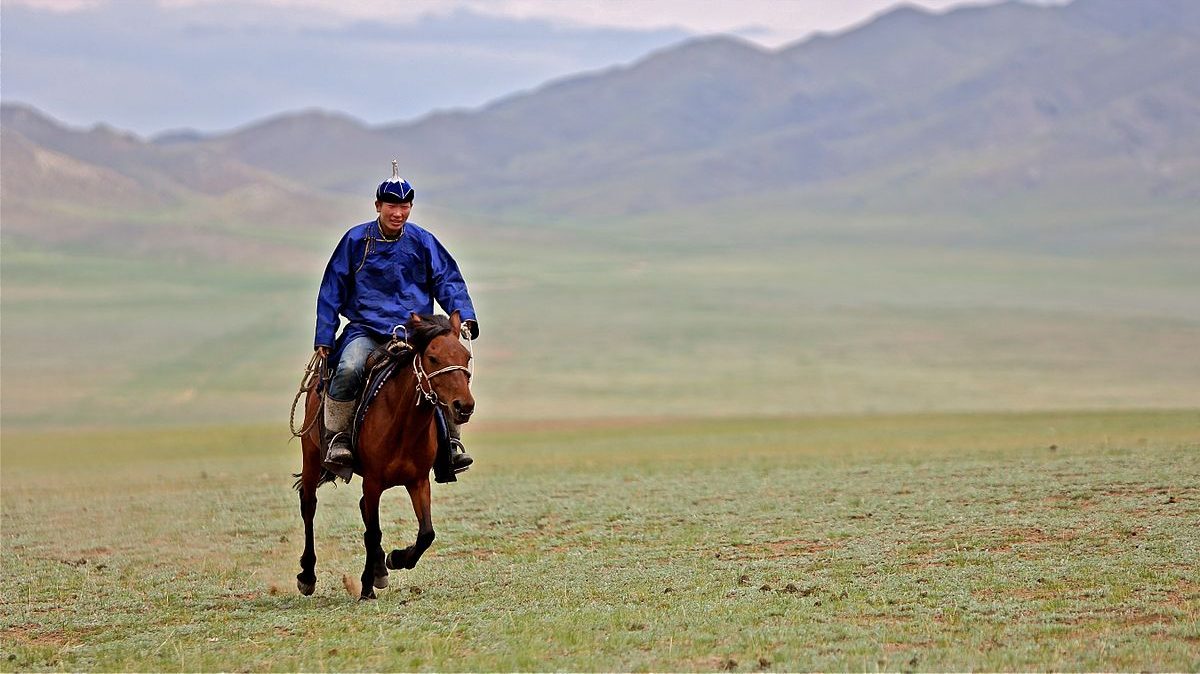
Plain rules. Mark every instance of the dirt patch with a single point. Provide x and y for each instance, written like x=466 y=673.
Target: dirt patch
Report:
x=714 y=664
x=1188 y=592
x=31 y=635
x=1116 y=616
x=911 y=646
x=782 y=549
x=1133 y=489
x=1014 y=537
x=879 y=618
x=481 y=554
x=1034 y=594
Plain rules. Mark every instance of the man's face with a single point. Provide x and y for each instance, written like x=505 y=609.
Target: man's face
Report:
x=392 y=216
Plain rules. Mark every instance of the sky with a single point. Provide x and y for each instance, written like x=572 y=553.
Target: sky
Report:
x=150 y=66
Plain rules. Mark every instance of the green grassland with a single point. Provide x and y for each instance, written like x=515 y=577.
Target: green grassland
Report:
x=931 y=542
x=771 y=443
x=659 y=316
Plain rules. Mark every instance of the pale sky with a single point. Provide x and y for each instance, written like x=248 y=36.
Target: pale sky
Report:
x=211 y=65
x=772 y=22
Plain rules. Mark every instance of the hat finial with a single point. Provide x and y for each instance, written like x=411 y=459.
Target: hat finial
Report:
x=396 y=170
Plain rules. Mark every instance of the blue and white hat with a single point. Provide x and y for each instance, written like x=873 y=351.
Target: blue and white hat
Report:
x=395 y=190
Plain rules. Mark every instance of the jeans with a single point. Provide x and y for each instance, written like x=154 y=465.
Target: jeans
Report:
x=350 y=374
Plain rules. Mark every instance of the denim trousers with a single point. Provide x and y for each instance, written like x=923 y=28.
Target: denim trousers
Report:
x=350 y=374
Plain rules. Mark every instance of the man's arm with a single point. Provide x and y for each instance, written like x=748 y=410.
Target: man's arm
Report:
x=449 y=287
x=332 y=295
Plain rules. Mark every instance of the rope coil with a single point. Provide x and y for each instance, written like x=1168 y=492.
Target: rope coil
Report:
x=314 y=369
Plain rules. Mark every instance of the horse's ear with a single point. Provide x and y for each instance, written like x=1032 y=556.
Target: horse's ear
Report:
x=412 y=316
x=455 y=322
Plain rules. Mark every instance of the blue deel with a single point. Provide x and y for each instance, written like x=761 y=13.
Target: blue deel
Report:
x=376 y=284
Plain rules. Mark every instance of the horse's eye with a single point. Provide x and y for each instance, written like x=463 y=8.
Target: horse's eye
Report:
x=434 y=360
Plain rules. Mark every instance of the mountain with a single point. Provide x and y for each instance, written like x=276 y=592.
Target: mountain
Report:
x=991 y=208
x=993 y=103
x=103 y=189
x=1083 y=114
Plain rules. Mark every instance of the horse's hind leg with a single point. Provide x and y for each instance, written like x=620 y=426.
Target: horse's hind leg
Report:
x=306 y=580
x=381 y=572
x=408 y=557
x=310 y=479
x=310 y=476
x=369 y=505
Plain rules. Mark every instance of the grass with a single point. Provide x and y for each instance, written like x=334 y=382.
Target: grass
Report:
x=579 y=326
x=1040 y=541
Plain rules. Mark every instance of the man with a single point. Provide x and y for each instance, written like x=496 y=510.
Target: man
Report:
x=380 y=272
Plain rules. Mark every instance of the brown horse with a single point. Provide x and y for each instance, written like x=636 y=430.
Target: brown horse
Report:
x=397 y=445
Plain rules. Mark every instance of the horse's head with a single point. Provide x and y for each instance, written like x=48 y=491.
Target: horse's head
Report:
x=442 y=364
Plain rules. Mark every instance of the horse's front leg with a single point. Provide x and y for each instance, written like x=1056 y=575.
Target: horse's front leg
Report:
x=380 y=570
x=408 y=557
x=369 y=505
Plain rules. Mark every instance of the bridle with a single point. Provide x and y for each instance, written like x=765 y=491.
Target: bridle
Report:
x=425 y=386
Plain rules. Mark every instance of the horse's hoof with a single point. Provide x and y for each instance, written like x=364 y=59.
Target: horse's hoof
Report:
x=367 y=597
x=381 y=582
x=401 y=559
x=305 y=588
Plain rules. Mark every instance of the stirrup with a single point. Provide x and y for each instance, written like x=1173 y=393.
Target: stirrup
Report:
x=444 y=468
x=459 y=459
x=341 y=465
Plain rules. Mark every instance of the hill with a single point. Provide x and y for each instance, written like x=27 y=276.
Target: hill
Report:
x=102 y=190
x=1080 y=116
x=974 y=113
x=991 y=208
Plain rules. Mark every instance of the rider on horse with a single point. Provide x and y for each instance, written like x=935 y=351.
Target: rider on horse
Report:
x=381 y=272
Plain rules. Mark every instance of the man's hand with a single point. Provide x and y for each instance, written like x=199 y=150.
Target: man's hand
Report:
x=323 y=352
x=469 y=329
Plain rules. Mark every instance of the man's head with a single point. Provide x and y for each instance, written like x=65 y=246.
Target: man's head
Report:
x=393 y=201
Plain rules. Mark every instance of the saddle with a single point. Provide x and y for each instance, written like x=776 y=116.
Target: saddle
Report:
x=383 y=362
x=380 y=367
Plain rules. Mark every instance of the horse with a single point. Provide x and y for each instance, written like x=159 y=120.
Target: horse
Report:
x=397 y=444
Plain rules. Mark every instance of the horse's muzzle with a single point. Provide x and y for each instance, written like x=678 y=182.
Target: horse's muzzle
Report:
x=462 y=410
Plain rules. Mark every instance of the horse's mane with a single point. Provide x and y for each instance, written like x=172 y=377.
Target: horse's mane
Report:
x=420 y=334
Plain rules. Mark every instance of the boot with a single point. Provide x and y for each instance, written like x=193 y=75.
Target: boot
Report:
x=459 y=459
x=451 y=457
x=339 y=459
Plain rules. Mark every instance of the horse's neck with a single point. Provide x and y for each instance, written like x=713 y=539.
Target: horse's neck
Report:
x=403 y=406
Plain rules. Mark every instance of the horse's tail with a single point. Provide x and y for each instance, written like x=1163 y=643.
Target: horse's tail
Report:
x=326 y=477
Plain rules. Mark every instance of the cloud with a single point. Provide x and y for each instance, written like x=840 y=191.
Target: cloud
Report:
x=149 y=65
x=146 y=66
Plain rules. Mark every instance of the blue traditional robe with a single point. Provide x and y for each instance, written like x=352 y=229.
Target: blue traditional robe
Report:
x=376 y=283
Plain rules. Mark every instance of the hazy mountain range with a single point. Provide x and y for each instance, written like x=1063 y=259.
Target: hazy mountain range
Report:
x=993 y=208
x=1087 y=113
